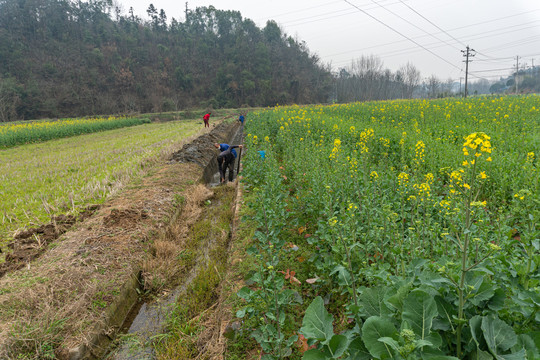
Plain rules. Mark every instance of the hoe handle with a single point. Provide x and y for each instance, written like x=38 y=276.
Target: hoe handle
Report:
x=239 y=157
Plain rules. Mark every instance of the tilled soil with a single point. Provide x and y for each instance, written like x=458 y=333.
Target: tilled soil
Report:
x=30 y=243
x=62 y=300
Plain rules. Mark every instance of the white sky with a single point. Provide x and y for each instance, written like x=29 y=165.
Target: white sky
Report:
x=341 y=30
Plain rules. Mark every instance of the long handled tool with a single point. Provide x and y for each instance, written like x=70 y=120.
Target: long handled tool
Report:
x=239 y=157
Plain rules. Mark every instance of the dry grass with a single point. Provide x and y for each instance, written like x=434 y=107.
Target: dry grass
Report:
x=41 y=311
x=167 y=262
x=211 y=343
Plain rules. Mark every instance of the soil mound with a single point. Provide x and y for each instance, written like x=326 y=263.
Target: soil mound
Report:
x=200 y=150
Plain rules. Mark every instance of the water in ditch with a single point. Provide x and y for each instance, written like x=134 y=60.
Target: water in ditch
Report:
x=148 y=319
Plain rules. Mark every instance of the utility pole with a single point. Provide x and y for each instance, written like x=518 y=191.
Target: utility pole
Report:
x=186 y=11
x=460 y=78
x=467 y=53
x=516 y=76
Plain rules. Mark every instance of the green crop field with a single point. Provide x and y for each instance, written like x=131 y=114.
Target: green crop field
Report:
x=26 y=132
x=38 y=181
x=410 y=228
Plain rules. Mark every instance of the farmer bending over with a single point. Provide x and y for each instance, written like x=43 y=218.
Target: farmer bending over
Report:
x=225 y=160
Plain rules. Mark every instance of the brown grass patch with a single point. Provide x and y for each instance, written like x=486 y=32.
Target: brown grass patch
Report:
x=170 y=256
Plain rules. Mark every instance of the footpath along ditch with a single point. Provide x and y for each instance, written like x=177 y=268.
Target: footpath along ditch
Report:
x=159 y=237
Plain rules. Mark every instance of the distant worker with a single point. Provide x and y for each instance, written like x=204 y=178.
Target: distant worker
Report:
x=206 y=118
x=226 y=159
x=241 y=119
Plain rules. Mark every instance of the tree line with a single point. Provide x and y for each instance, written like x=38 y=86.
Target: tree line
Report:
x=70 y=58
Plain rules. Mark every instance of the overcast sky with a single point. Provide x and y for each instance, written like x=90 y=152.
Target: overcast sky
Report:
x=428 y=33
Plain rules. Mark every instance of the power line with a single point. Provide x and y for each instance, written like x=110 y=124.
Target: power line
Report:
x=411 y=50
x=405 y=36
x=496 y=60
x=432 y=23
x=319 y=17
x=301 y=10
x=410 y=23
x=477 y=71
x=474 y=37
x=501 y=31
x=458 y=28
x=514 y=43
x=490 y=76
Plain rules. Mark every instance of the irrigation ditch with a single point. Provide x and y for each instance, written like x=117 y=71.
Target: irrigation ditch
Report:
x=106 y=288
x=209 y=238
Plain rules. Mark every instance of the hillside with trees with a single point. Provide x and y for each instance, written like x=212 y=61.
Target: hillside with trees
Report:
x=69 y=58
x=524 y=81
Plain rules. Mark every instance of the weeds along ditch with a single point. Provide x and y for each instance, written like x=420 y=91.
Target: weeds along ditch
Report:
x=392 y=230
x=169 y=325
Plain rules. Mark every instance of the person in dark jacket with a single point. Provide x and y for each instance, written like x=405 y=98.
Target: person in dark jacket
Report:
x=206 y=118
x=226 y=159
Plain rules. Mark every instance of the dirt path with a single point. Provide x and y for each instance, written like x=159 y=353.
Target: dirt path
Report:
x=71 y=300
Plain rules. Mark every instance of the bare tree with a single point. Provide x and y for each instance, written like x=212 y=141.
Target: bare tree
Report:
x=447 y=87
x=433 y=86
x=481 y=86
x=367 y=79
x=367 y=71
x=409 y=76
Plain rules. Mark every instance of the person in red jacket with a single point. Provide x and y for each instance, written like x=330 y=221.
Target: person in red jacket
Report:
x=206 y=118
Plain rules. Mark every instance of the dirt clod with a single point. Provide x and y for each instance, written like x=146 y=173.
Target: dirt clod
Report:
x=124 y=217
